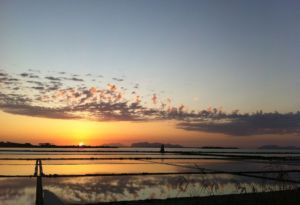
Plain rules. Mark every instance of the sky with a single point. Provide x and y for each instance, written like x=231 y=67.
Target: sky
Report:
x=197 y=73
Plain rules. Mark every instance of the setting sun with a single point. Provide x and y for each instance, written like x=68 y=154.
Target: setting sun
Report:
x=80 y=144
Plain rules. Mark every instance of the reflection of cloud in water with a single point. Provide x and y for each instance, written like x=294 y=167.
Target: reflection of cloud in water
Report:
x=90 y=189
x=17 y=191
x=111 y=188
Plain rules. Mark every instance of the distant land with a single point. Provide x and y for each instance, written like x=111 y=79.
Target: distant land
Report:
x=49 y=145
x=278 y=147
x=110 y=145
x=213 y=147
x=113 y=145
x=154 y=145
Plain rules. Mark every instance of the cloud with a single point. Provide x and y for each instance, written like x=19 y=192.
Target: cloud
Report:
x=58 y=97
x=13 y=99
x=118 y=79
x=53 y=87
x=7 y=80
x=38 y=87
x=136 y=86
x=21 y=105
x=53 y=78
x=54 y=97
x=33 y=76
x=35 y=82
x=24 y=74
x=29 y=75
x=112 y=87
x=247 y=125
x=37 y=111
x=74 y=79
x=154 y=99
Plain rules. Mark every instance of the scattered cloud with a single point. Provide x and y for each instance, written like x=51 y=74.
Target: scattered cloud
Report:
x=38 y=87
x=118 y=79
x=136 y=86
x=3 y=74
x=154 y=99
x=73 y=97
x=24 y=74
x=53 y=78
x=74 y=79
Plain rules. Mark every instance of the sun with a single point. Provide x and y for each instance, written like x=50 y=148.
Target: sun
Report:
x=80 y=144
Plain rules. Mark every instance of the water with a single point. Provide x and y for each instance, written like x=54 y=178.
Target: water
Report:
x=171 y=173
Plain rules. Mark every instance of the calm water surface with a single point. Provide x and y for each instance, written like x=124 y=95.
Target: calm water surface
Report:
x=92 y=189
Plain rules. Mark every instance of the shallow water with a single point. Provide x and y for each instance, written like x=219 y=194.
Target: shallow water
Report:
x=107 y=188
x=92 y=189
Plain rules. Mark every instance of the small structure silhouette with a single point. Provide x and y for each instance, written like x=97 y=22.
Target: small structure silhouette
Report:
x=43 y=197
x=38 y=173
x=162 y=149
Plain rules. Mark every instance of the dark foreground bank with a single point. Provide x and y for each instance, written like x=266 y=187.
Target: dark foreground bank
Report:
x=267 y=198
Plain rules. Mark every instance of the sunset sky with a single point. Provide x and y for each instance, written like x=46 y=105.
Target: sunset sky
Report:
x=195 y=73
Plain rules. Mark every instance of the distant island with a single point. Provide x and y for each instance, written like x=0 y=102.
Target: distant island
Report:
x=155 y=145
x=113 y=145
x=278 y=147
x=213 y=147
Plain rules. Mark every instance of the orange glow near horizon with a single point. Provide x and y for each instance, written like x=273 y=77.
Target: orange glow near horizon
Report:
x=64 y=132
x=17 y=128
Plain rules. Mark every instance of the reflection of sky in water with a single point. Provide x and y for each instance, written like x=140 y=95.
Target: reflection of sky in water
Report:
x=26 y=167
x=97 y=155
x=87 y=167
x=106 y=188
x=118 y=188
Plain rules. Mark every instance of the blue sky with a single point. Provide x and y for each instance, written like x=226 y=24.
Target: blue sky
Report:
x=232 y=54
